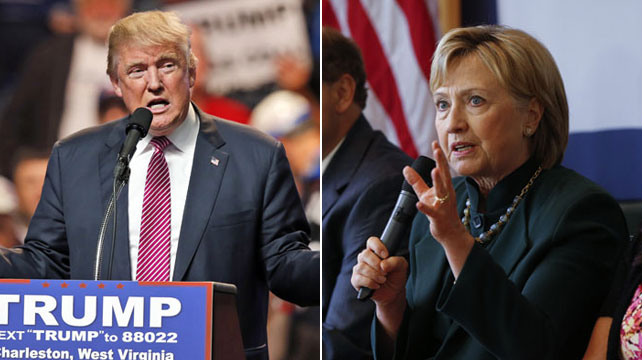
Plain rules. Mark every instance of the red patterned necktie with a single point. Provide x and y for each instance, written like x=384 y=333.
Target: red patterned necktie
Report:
x=155 y=227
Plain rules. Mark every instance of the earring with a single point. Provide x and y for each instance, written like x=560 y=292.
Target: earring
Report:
x=527 y=131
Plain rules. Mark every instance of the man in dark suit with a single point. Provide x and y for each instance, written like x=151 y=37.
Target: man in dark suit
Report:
x=361 y=181
x=238 y=221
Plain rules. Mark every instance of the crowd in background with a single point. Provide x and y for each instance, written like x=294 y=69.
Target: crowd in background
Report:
x=53 y=84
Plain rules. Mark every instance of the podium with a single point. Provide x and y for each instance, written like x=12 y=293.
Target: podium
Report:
x=78 y=319
x=227 y=341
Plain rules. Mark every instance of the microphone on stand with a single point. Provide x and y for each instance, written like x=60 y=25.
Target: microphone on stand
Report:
x=139 y=123
x=137 y=128
x=405 y=209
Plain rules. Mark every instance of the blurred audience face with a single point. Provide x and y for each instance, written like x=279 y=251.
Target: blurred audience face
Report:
x=7 y=231
x=113 y=112
x=480 y=125
x=95 y=17
x=200 y=51
x=293 y=72
x=28 y=178
x=302 y=150
x=8 y=204
x=110 y=108
x=158 y=78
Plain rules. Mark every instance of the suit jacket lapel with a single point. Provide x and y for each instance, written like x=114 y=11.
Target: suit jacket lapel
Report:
x=508 y=250
x=107 y=161
x=429 y=274
x=345 y=162
x=330 y=193
x=205 y=182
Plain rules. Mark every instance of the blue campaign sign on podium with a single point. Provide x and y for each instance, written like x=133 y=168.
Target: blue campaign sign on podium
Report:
x=125 y=320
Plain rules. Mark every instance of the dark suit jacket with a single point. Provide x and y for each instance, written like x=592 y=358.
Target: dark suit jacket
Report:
x=33 y=116
x=243 y=221
x=534 y=291
x=360 y=187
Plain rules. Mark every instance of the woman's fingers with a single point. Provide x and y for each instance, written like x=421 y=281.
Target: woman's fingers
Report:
x=442 y=163
x=426 y=208
x=365 y=275
x=439 y=192
x=369 y=258
x=359 y=281
x=432 y=199
x=414 y=179
x=365 y=270
x=440 y=175
x=368 y=272
x=377 y=246
x=394 y=264
x=425 y=194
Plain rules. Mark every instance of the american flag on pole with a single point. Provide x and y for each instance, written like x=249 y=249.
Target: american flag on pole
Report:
x=397 y=39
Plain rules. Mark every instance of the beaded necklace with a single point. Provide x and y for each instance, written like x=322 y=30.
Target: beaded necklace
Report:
x=497 y=227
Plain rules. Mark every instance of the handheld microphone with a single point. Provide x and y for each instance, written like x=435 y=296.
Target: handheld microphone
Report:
x=405 y=209
x=137 y=128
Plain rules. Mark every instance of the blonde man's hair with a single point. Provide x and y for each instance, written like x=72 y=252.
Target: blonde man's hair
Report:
x=150 y=28
x=524 y=67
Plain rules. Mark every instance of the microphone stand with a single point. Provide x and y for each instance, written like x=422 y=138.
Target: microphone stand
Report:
x=140 y=121
x=121 y=177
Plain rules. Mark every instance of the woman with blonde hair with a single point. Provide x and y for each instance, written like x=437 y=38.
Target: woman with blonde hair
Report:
x=512 y=259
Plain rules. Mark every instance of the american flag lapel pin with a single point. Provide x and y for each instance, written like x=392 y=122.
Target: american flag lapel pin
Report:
x=214 y=161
